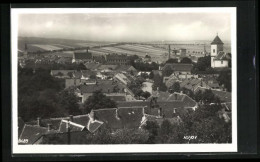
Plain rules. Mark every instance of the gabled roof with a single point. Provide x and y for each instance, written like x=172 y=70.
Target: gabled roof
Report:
x=94 y=125
x=222 y=56
x=125 y=68
x=31 y=133
x=217 y=40
x=109 y=117
x=74 y=127
x=178 y=66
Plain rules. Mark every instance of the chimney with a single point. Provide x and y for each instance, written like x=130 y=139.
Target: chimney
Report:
x=49 y=127
x=181 y=92
x=71 y=118
x=39 y=121
x=108 y=90
x=175 y=96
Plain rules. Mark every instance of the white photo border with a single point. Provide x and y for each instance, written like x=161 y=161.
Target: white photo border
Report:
x=132 y=148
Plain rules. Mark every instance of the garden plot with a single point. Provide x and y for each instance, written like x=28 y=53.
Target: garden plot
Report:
x=47 y=47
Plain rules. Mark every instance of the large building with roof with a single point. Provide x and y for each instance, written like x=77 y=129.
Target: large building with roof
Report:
x=219 y=58
x=82 y=57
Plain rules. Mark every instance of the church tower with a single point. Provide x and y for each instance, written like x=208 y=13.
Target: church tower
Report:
x=216 y=47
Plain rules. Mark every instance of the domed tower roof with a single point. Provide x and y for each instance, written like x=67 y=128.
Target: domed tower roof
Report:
x=217 y=40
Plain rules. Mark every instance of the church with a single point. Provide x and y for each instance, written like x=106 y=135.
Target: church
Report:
x=219 y=58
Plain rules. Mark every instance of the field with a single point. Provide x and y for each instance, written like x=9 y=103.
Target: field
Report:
x=157 y=51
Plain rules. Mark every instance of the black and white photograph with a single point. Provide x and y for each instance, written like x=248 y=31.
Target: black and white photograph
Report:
x=108 y=80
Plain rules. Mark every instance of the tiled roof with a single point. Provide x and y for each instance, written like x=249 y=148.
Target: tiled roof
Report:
x=87 y=73
x=31 y=133
x=192 y=83
x=131 y=117
x=82 y=55
x=133 y=104
x=74 y=127
x=109 y=117
x=92 y=65
x=222 y=56
x=54 y=122
x=125 y=68
x=104 y=85
x=72 y=82
x=217 y=40
x=104 y=67
x=179 y=66
x=94 y=125
x=166 y=96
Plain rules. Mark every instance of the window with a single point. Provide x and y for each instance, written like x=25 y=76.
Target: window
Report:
x=213 y=50
x=221 y=62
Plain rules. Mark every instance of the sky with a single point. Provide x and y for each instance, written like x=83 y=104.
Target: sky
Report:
x=116 y=27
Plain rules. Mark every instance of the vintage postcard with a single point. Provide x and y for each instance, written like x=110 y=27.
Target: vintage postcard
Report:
x=124 y=80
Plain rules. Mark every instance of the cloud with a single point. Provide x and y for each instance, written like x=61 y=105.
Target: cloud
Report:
x=127 y=27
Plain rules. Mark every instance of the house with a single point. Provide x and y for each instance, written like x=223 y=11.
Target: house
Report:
x=163 y=104
x=110 y=87
x=126 y=69
x=72 y=82
x=116 y=59
x=31 y=133
x=193 y=84
x=219 y=59
x=179 y=68
x=122 y=78
x=87 y=74
x=82 y=56
x=107 y=68
x=212 y=82
x=169 y=81
x=118 y=118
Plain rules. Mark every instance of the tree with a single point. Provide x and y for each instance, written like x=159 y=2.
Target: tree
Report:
x=152 y=127
x=186 y=60
x=158 y=83
x=175 y=87
x=98 y=101
x=146 y=94
x=202 y=64
x=69 y=101
x=172 y=60
x=151 y=75
x=92 y=76
x=225 y=79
